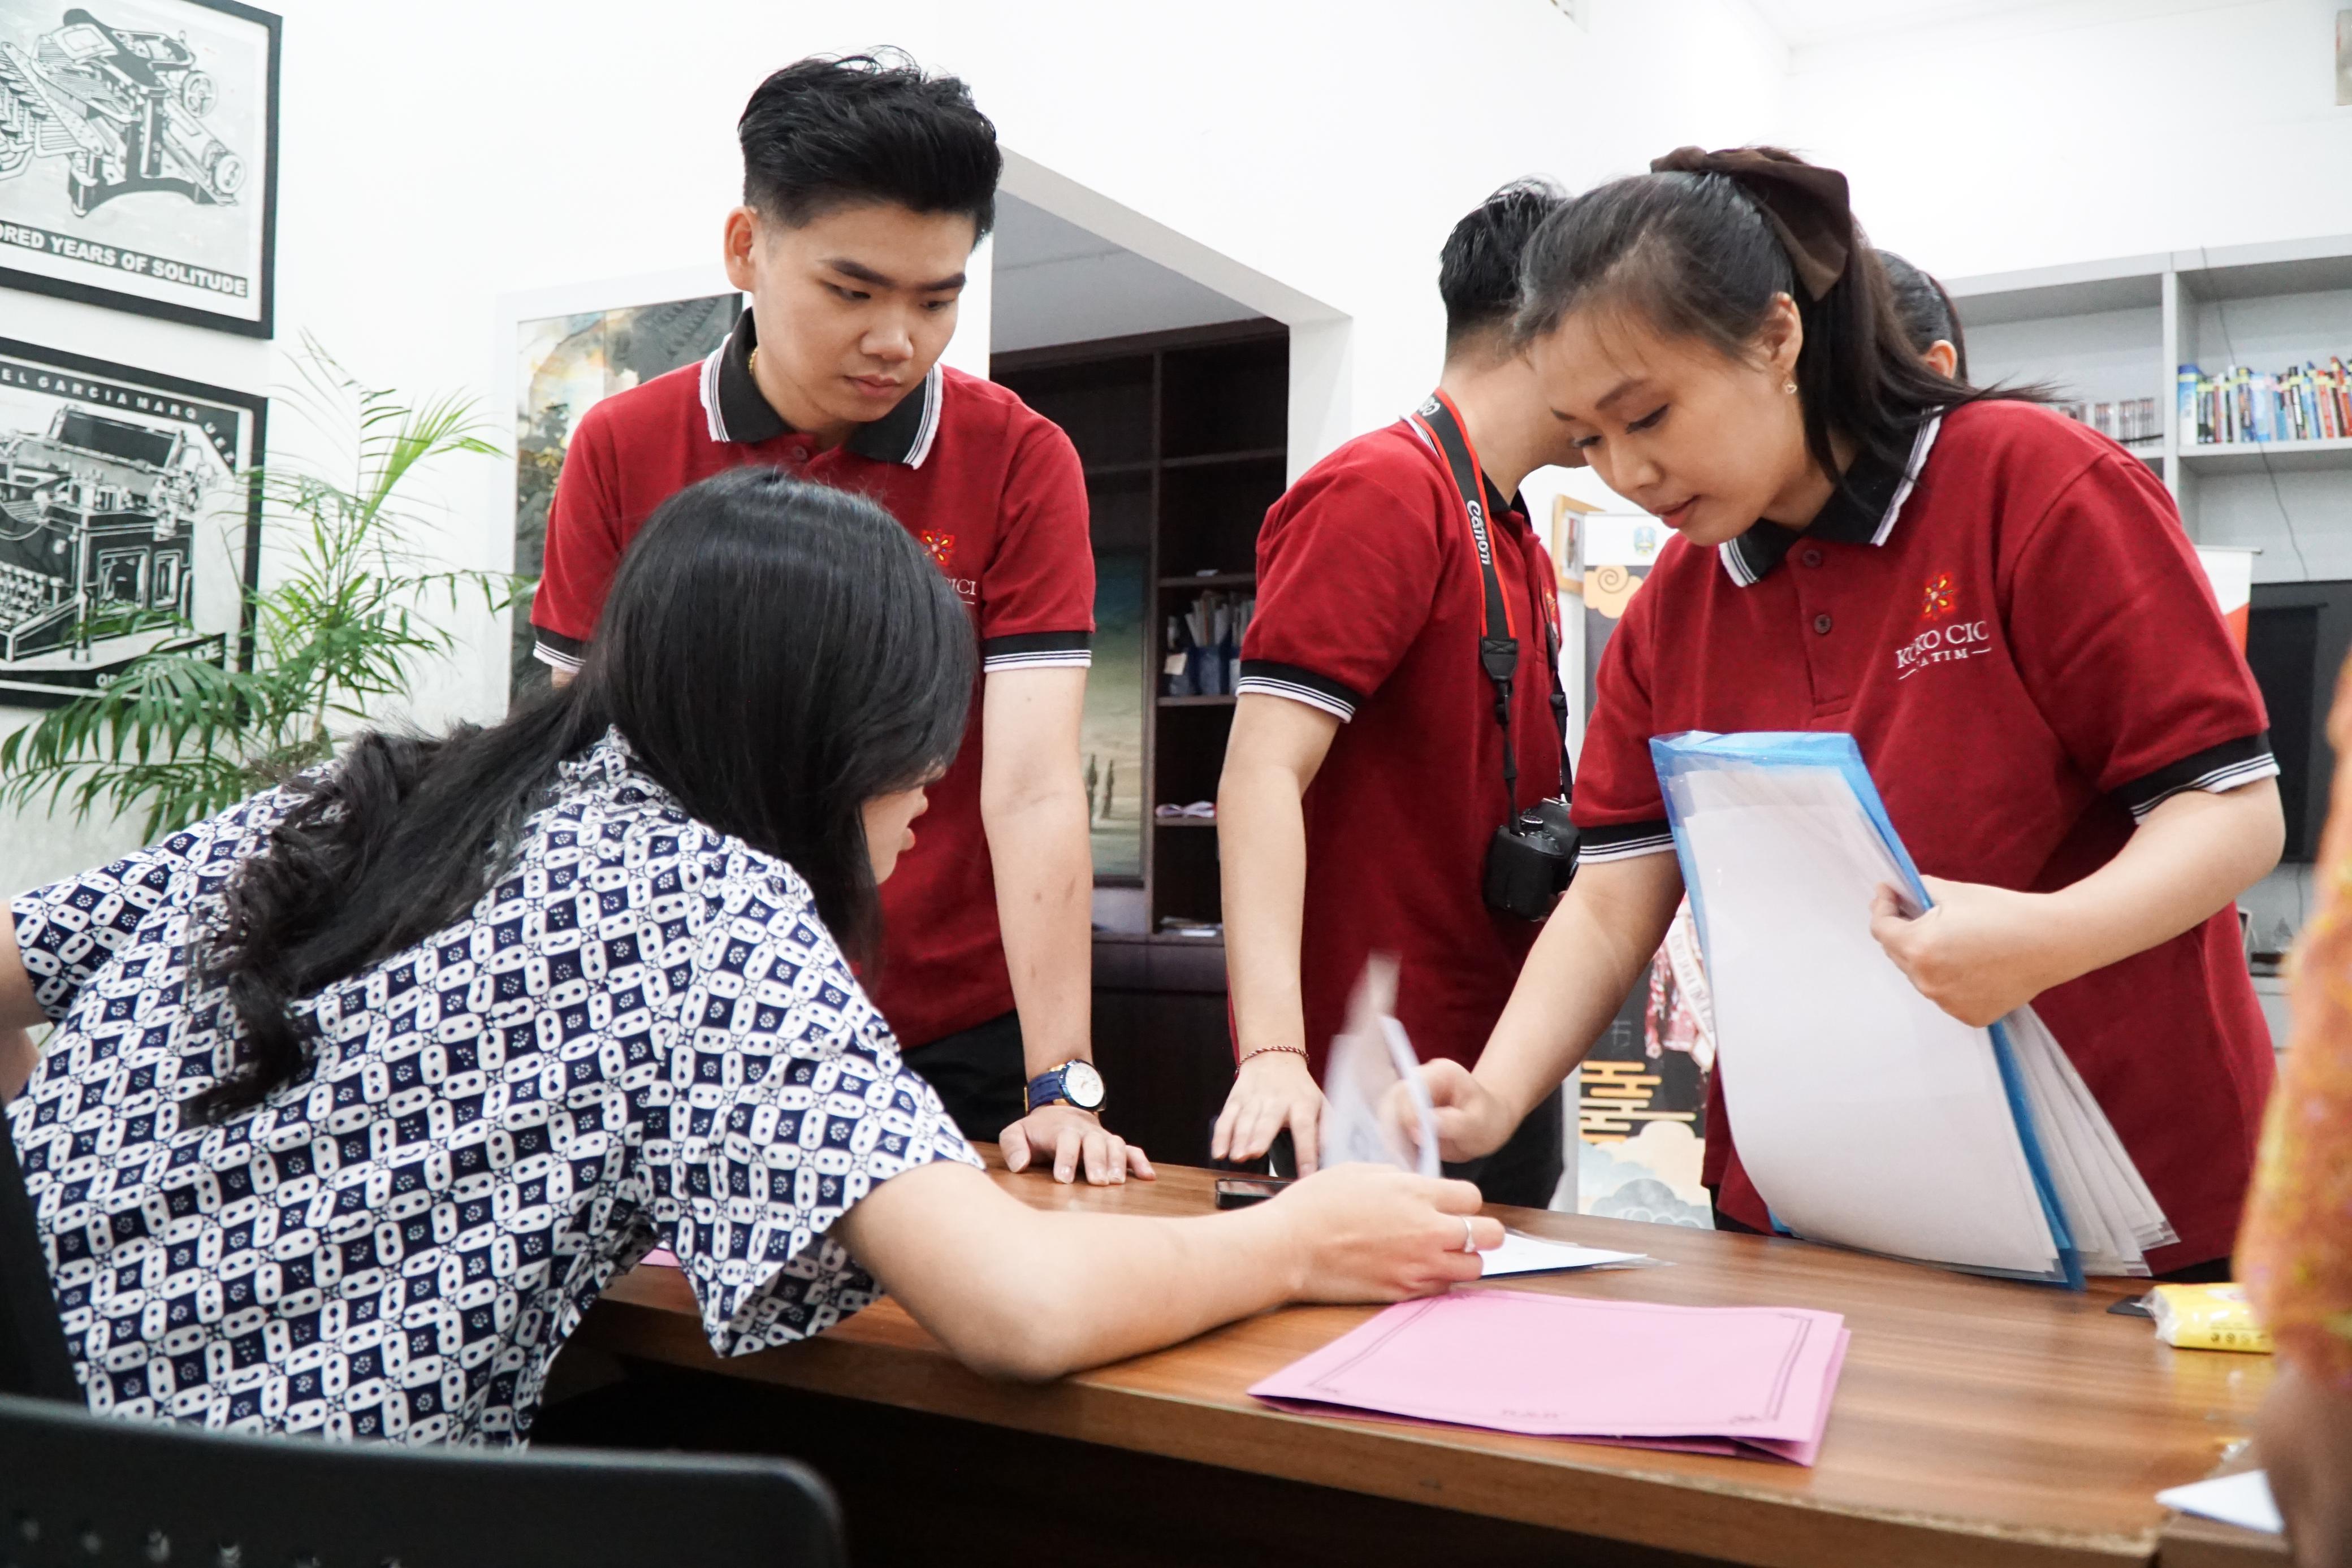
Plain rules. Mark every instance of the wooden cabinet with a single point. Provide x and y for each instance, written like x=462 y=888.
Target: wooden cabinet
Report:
x=1184 y=437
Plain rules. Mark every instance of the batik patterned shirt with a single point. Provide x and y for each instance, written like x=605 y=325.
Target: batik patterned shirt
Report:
x=642 y=1033
x=2294 y=1252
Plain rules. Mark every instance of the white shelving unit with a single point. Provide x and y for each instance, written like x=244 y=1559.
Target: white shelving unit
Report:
x=2121 y=329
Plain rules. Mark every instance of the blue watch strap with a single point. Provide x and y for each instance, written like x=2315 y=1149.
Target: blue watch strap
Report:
x=1046 y=1089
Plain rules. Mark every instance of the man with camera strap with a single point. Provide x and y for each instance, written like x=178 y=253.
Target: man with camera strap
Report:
x=1399 y=729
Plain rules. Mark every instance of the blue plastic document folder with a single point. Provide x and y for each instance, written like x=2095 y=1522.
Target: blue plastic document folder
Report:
x=1867 y=1115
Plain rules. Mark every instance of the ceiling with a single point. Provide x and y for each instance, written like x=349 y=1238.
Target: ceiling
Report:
x=1057 y=283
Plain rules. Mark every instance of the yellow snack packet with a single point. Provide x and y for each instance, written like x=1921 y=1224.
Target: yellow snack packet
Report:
x=2206 y=1317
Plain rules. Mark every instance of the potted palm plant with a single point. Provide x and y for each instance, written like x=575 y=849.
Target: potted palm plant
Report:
x=342 y=624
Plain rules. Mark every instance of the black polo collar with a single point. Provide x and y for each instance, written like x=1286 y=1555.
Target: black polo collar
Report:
x=1862 y=510
x=738 y=413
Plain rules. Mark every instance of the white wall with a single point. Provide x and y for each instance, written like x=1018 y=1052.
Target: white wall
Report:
x=2085 y=129
x=2028 y=135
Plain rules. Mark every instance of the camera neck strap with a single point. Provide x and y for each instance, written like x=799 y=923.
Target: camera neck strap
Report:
x=1498 y=643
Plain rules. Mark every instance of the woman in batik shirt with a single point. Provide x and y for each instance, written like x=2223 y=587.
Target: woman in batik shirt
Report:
x=362 y=1091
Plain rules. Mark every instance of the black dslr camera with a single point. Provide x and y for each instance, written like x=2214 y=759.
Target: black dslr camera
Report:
x=1530 y=860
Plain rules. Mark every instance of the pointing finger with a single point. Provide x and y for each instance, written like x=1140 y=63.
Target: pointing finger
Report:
x=1305 y=1144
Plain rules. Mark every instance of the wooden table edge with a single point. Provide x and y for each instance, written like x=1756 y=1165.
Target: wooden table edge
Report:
x=1612 y=1503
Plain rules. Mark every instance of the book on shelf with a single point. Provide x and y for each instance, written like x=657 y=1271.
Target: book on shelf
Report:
x=2128 y=420
x=2310 y=402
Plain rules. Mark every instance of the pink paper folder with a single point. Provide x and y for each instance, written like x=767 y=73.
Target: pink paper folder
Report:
x=1726 y=1380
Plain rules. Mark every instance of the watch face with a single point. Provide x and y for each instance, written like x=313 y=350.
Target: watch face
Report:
x=1083 y=1084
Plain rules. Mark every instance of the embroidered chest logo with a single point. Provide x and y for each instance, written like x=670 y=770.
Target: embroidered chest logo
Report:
x=1939 y=601
x=942 y=551
x=1950 y=636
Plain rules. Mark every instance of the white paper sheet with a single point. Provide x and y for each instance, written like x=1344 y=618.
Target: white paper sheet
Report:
x=1366 y=1062
x=2243 y=1499
x=1866 y=1115
x=2112 y=1216
x=1523 y=1254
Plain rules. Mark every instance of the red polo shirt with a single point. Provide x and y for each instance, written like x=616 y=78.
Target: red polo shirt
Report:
x=993 y=491
x=2016 y=631
x=1369 y=606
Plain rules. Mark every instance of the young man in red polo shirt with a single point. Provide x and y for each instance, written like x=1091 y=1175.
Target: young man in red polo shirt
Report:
x=866 y=185
x=1365 y=778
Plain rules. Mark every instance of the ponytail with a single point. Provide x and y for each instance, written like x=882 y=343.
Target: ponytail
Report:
x=1701 y=248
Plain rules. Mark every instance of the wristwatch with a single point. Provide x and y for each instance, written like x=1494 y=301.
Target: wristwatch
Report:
x=1076 y=1082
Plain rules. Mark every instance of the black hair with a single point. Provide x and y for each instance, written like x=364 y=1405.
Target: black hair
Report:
x=1925 y=310
x=834 y=131
x=1478 y=267
x=1694 y=255
x=776 y=654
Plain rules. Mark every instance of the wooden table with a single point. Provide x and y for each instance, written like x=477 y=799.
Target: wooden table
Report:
x=1976 y=1421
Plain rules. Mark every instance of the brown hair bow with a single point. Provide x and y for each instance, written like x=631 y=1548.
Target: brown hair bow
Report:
x=1806 y=204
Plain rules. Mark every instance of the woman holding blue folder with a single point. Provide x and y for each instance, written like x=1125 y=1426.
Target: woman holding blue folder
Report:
x=1999 y=603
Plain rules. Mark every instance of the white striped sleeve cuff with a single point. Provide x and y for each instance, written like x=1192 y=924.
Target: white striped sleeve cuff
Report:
x=2216 y=769
x=1263 y=677
x=1037 y=651
x=1629 y=840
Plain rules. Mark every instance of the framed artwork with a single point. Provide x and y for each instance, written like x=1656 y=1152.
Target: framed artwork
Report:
x=565 y=366
x=139 y=156
x=129 y=520
x=1112 y=730
x=2342 y=59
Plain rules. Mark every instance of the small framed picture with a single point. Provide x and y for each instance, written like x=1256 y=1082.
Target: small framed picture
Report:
x=2344 y=60
x=565 y=364
x=139 y=156
x=130 y=521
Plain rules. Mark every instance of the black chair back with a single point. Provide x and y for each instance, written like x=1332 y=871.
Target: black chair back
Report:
x=34 y=1360
x=93 y=1491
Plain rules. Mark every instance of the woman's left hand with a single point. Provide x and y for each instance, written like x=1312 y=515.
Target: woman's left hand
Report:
x=1979 y=953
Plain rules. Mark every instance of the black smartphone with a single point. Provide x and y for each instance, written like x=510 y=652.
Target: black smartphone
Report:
x=2134 y=1307
x=1240 y=1192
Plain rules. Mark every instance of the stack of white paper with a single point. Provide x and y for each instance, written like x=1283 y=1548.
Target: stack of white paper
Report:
x=1366 y=1065
x=1867 y=1115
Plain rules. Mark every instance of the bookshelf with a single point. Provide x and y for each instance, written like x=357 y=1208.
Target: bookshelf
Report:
x=1184 y=438
x=2121 y=329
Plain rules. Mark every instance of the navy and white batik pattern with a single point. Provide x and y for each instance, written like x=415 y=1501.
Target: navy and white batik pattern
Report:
x=643 y=1033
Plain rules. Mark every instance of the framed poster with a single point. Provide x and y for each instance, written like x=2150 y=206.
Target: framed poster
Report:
x=1111 y=727
x=139 y=156
x=129 y=520
x=565 y=365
